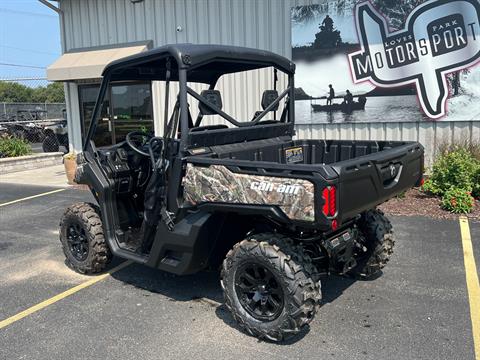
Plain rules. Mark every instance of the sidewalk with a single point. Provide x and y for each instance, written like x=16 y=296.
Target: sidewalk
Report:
x=49 y=176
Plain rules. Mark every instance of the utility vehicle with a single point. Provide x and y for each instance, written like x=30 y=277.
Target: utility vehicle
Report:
x=272 y=212
x=56 y=135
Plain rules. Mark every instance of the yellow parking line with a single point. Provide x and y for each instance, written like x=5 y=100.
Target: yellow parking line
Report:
x=473 y=285
x=32 y=197
x=61 y=296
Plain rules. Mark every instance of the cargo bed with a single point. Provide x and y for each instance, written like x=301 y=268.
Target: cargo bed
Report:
x=365 y=173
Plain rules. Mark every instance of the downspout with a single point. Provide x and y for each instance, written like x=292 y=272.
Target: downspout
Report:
x=66 y=87
x=62 y=23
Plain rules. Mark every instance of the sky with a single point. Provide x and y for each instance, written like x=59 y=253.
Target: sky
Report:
x=29 y=35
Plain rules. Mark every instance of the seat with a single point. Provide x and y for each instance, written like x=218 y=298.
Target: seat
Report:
x=268 y=97
x=213 y=97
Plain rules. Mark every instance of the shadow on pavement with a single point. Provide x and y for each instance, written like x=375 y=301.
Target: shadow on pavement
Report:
x=204 y=287
x=205 y=284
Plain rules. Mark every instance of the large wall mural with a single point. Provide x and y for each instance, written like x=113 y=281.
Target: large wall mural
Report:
x=387 y=61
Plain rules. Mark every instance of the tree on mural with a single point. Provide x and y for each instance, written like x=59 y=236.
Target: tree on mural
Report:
x=304 y=14
x=396 y=11
x=328 y=37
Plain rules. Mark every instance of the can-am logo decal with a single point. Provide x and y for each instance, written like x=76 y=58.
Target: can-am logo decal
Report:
x=281 y=188
x=439 y=37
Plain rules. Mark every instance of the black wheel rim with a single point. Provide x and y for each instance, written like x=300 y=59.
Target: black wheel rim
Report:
x=77 y=241
x=258 y=291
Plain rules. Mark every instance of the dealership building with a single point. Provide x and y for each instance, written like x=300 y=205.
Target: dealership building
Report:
x=94 y=33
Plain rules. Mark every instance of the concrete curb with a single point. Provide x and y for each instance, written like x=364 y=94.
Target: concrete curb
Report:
x=29 y=162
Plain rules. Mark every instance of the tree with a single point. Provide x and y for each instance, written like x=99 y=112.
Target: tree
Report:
x=15 y=92
x=52 y=93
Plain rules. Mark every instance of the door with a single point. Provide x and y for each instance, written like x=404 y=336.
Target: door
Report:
x=131 y=109
x=126 y=107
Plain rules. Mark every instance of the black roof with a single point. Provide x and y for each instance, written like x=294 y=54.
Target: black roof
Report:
x=205 y=63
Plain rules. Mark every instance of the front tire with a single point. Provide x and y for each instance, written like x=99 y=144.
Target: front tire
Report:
x=83 y=243
x=269 y=286
x=378 y=241
x=50 y=144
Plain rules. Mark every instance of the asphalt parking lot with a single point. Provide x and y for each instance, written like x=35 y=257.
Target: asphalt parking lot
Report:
x=418 y=309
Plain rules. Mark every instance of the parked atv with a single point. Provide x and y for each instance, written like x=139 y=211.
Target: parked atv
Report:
x=272 y=212
x=27 y=126
x=56 y=135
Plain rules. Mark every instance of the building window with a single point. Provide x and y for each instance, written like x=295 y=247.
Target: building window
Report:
x=127 y=107
x=132 y=109
x=88 y=97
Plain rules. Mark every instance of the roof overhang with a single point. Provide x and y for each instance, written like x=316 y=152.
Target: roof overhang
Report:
x=89 y=63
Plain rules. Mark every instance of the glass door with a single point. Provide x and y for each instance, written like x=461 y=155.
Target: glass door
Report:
x=88 y=97
x=132 y=109
x=127 y=107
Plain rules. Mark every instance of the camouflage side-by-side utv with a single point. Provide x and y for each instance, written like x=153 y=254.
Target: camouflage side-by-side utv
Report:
x=272 y=212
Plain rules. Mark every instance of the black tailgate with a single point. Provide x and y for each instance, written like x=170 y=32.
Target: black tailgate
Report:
x=370 y=180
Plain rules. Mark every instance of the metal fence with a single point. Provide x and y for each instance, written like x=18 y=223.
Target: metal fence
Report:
x=42 y=135
x=30 y=98
x=24 y=111
x=41 y=124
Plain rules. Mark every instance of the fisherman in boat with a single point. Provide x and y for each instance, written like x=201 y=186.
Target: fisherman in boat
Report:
x=348 y=98
x=362 y=100
x=331 y=95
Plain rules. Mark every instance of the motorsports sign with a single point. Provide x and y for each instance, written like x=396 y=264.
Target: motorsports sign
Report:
x=439 y=37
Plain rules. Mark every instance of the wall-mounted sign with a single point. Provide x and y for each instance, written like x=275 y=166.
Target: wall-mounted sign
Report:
x=363 y=61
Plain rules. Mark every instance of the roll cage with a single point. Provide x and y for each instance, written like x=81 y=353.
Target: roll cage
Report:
x=199 y=64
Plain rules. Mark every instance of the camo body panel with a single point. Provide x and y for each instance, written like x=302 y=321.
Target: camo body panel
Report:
x=218 y=184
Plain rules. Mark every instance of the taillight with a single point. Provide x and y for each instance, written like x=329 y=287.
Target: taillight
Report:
x=334 y=224
x=329 y=195
x=333 y=201
x=326 y=203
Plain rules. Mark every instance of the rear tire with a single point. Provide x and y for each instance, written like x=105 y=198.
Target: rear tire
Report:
x=50 y=144
x=19 y=134
x=83 y=243
x=378 y=241
x=283 y=301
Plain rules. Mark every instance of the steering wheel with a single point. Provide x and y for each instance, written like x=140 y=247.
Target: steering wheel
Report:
x=135 y=137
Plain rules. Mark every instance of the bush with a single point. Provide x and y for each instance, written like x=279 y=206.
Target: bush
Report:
x=13 y=147
x=457 y=201
x=429 y=187
x=476 y=184
x=470 y=146
x=456 y=169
